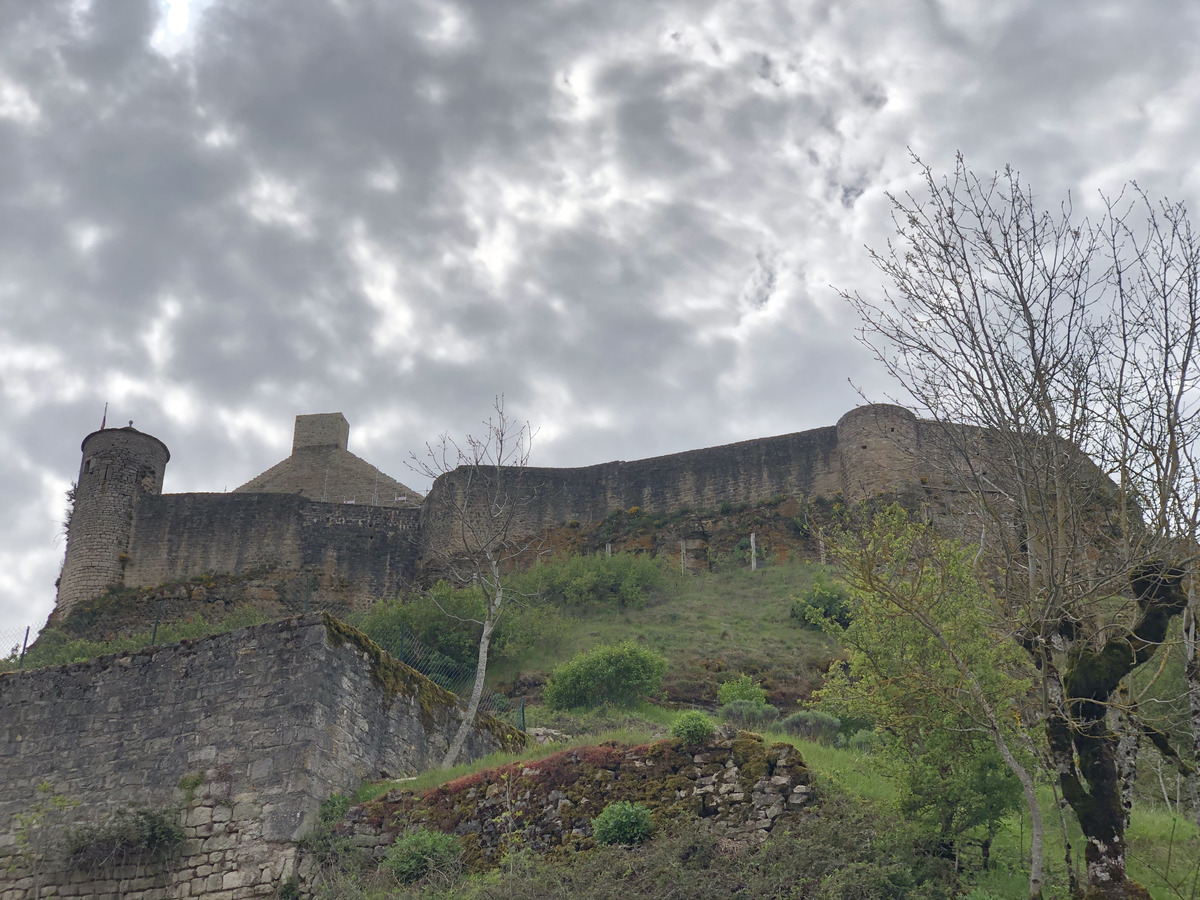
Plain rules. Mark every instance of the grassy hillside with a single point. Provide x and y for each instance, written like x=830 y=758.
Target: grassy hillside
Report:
x=710 y=627
x=857 y=847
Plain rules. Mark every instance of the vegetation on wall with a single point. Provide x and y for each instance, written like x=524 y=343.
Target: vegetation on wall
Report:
x=127 y=835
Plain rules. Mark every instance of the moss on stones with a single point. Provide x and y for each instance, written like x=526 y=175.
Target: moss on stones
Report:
x=395 y=679
x=550 y=802
x=392 y=677
x=749 y=754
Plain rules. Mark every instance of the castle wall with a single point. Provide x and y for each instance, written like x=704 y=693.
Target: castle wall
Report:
x=120 y=467
x=177 y=536
x=807 y=463
x=126 y=532
x=266 y=721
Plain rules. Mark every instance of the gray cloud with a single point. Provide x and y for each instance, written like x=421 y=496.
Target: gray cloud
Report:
x=625 y=216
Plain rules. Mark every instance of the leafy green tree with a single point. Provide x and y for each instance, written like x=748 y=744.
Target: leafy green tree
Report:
x=927 y=663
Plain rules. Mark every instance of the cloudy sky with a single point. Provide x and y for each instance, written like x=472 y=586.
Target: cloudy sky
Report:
x=625 y=215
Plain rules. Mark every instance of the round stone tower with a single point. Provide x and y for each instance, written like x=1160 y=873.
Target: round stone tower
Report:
x=878 y=446
x=120 y=466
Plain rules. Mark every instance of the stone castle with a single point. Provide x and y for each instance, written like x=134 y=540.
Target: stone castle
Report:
x=242 y=735
x=325 y=512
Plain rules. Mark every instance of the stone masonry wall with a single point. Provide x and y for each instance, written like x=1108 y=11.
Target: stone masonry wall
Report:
x=872 y=449
x=240 y=735
x=793 y=464
x=178 y=536
x=321 y=430
x=740 y=785
x=120 y=467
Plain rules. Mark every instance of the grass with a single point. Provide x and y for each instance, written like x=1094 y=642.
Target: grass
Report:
x=54 y=648
x=856 y=774
x=625 y=736
x=1164 y=848
x=1164 y=845
x=710 y=627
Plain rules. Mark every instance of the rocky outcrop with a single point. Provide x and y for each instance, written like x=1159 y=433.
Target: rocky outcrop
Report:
x=743 y=786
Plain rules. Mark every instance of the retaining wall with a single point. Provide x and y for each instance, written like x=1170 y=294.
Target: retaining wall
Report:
x=241 y=736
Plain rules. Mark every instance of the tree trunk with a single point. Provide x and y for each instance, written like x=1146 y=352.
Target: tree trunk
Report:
x=1191 y=649
x=1085 y=749
x=468 y=720
x=1128 y=746
x=1036 y=828
x=1068 y=854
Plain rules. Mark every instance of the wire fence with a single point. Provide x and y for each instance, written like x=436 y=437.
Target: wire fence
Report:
x=14 y=642
x=198 y=609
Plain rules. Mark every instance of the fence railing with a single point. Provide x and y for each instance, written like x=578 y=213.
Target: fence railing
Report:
x=13 y=644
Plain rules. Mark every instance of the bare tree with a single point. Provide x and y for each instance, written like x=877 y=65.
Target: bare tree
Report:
x=1153 y=383
x=1024 y=333
x=475 y=510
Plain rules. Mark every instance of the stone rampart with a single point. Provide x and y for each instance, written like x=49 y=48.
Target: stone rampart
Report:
x=872 y=450
x=177 y=536
x=240 y=736
x=792 y=464
x=126 y=533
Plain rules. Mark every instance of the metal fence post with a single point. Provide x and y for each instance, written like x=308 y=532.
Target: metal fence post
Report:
x=157 y=616
x=24 y=646
x=522 y=714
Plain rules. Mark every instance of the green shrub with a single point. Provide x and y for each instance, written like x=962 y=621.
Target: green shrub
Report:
x=438 y=629
x=748 y=714
x=743 y=688
x=694 y=728
x=620 y=674
x=813 y=725
x=332 y=850
x=125 y=836
x=422 y=853
x=822 y=603
x=623 y=823
x=623 y=580
x=334 y=808
x=864 y=741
